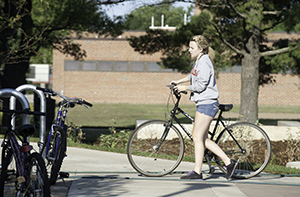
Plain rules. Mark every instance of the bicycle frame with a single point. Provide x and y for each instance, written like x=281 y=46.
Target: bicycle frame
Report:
x=60 y=121
x=55 y=151
x=162 y=143
x=20 y=152
x=177 y=110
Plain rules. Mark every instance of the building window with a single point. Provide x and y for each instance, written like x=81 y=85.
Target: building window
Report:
x=153 y=67
x=237 y=69
x=137 y=66
x=72 y=65
x=105 y=66
x=121 y=66
x=167 y=70
x=117 y=66
x=89 y=66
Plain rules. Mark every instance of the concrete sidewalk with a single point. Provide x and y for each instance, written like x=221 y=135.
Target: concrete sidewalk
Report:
x=97 y=173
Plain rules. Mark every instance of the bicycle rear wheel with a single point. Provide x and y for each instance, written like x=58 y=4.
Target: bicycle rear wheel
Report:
x=56 y=152
x=150 y=157
x=247 y=143
x=8 y=173
x=37 y=179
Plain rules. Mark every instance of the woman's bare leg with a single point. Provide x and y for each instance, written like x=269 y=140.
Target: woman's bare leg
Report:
x=213 y=147
x=201 y=126
x=201 y=140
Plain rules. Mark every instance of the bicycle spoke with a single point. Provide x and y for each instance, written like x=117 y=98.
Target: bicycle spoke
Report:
x=248 y=143
x=149 y=157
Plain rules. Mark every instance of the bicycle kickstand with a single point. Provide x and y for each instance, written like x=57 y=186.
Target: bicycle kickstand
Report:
x=64 y=175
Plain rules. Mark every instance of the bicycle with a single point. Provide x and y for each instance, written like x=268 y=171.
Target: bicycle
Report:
x=156 y=147
x=22 y=173
x=55 y=148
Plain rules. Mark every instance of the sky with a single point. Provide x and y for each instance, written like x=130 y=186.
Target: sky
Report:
x=126 y=8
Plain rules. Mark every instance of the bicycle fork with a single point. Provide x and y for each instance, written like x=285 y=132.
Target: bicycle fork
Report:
x=163 y=137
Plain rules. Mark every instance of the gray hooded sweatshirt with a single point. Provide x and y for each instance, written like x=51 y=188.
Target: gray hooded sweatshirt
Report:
x=203 y=83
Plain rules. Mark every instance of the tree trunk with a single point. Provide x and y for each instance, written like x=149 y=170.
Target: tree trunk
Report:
x=249 y=91
x=250 y=70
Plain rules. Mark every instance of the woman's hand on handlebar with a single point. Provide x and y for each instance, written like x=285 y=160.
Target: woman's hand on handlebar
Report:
x=174 y=83
x=182 y=88
x=179 y=88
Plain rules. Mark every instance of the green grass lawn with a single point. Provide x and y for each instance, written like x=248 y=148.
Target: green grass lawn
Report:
x=119 y=115
x=125 y=115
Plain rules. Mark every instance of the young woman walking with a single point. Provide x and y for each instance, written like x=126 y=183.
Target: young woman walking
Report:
x=204 y=93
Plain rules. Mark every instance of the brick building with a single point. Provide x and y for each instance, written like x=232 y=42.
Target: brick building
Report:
x=113 y=72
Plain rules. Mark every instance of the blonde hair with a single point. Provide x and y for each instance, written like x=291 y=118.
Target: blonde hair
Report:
x=202 y=43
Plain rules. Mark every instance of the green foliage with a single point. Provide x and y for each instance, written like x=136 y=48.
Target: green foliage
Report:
x=243 y=25
x=292 y=15
x=286 y=62
x=174 y=45
x=75 y=134
x=43 y=56
x=30 y=28
x=140 y=18
x=114 y=139
x=277 y=169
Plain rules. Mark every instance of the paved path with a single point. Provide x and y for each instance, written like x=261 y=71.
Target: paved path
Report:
x=98 y=173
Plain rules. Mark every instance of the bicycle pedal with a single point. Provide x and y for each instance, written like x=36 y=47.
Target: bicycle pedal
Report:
x=64 y=174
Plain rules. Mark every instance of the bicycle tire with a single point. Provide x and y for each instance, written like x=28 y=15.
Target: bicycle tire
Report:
x=255 y=153
x=58 y=141
x=141 y=149
x=8 y=174
x=37 y=182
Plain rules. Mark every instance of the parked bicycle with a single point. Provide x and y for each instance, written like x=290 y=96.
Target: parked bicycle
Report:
x=23 y=172
x=55 y=148
x=156 y=147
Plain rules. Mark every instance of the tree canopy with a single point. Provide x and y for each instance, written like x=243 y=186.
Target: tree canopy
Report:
x=238 y=30
x=26 y=26
x=140 y=18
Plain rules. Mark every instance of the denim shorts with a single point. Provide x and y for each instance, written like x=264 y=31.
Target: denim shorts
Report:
x=208 y=109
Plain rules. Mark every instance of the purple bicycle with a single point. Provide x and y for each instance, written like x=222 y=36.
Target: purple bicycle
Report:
x=23 y=172
x=55 y=148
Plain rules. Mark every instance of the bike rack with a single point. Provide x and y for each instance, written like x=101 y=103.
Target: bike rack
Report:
x=8 y=92
x=42 y=97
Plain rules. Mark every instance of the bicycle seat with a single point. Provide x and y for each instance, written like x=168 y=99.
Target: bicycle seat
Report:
x=226 y=107
x=26 y=130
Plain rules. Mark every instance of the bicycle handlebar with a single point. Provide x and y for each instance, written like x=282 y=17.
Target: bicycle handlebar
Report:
x=175 y=91
x=74 y=100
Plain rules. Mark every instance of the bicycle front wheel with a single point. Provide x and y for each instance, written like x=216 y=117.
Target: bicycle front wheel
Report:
x=247 y=143
x=56 y=152
x=153 y=154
